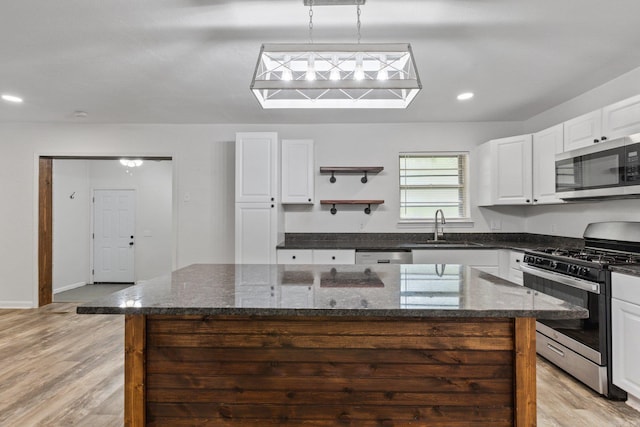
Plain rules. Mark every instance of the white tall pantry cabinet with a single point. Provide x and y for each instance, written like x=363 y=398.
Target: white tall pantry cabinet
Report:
x=259 y=217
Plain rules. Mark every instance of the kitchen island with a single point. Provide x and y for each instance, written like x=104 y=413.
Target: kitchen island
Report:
x=323 y=345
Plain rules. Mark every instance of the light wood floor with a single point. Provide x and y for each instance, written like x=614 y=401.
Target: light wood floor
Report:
x=58 y=368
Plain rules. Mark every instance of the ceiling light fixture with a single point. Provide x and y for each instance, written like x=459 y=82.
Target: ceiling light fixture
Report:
x=131 y=163
x=335 y=75
x=464 y=96
x=12 y=98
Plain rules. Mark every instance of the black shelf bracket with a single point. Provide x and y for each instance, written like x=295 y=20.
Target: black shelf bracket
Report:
x=364 y=178
x=333 y=178
x=333 y=209
x=367 y=210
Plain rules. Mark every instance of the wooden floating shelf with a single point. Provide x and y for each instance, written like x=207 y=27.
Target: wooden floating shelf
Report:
x=350 y=169
x=367 y=210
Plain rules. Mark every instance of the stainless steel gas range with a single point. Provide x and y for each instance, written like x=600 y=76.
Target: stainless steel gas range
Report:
x=582 y=347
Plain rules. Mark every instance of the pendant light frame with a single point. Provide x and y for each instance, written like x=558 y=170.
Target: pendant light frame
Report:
x=281 y=78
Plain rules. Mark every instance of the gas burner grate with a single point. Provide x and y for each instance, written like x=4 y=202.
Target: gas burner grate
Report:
x=597 y=256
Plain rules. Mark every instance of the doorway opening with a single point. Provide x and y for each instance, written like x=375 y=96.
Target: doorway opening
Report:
x=127 y=206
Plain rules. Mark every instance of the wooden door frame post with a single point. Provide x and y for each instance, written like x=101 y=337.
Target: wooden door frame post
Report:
x=45 y=231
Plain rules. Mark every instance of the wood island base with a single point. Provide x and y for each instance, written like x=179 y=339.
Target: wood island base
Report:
x=328 y=371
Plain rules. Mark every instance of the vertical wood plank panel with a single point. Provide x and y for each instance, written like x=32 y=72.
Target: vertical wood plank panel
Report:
x=324 y=372
x=134 y=370
x=525 y=374
x=45 y=232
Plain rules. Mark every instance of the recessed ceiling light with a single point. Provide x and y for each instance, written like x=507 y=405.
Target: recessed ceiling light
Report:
x=464 y=96
x=11 y=98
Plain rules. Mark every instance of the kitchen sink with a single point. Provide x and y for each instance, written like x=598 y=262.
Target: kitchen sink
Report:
x=441 y=244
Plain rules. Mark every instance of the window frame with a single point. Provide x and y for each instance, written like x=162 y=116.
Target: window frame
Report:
x=465 y=220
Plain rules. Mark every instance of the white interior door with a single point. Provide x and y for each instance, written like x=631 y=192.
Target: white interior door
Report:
x=113 y=236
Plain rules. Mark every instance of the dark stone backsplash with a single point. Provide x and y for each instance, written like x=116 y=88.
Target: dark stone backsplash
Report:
x=390 y=240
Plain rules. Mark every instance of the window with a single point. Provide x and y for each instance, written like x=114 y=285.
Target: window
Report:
x=432 y=181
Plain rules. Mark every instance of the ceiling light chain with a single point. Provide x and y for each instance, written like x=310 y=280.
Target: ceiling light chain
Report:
x=359 y=24
x=311 y=21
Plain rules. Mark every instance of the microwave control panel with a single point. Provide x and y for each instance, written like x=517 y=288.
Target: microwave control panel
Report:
x=632 y=163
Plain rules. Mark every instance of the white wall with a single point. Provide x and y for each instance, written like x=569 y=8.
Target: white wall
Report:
x=203 y=181
x=152 y=183
x=571 y=219
x=70 y=224
x=202 y=226
x=625 y=86
x=379 y=145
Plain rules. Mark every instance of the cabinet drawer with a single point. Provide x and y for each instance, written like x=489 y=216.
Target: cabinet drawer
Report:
x=625 y=288
x=295 y=256
x=343 y=256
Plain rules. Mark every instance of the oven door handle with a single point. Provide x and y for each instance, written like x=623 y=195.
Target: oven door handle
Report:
x=561 y=278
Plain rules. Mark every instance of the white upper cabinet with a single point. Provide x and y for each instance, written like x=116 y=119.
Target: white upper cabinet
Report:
x=583 y=131
x=610 y=122
x=297 y=171
x=511 y=166
x=256 y=167
x=621 y=118
x=546 y=144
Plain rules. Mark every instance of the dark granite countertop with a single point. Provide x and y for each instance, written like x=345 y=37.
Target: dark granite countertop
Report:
x=411 y=241
x=410 y=290
x=630 y=269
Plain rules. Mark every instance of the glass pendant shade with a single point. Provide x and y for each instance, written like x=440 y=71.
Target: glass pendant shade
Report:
x=338 y=75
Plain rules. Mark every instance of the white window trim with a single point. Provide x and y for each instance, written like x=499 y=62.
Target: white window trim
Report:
x=465 y=222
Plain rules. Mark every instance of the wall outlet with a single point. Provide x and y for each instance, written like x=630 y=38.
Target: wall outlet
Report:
x=496 y=224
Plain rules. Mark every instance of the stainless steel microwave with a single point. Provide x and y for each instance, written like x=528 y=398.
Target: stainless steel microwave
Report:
x=608 y=169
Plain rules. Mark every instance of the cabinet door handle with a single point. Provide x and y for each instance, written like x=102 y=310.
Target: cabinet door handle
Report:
x=333 y=257
x=272 y=199
x=294 y=257
x=528 y=201
x=603 y=138
x=273 y=206
x=596 y=140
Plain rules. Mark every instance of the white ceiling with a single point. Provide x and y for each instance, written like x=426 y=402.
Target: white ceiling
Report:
x=191 y=61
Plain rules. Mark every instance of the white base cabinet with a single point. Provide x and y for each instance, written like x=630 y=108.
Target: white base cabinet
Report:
x=625 y=316
x=316 y=256
x=510 y=262
x=256 y=233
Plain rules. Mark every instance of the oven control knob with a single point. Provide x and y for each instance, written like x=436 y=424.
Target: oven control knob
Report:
x=553 y=264
x=573 y=269
x=538 y=261
x=583 y=271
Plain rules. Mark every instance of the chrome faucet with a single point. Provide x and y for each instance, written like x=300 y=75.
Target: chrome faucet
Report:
x=435 y=224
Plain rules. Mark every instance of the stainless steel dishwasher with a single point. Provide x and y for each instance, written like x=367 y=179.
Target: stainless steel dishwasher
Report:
x=384 y=257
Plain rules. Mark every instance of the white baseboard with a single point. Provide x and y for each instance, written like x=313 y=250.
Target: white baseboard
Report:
x=69 y=287
x=634 y=402
x=16 y=304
